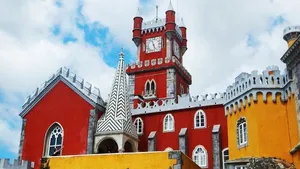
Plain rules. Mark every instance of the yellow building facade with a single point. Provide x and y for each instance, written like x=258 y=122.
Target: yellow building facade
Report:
x=262 y=113
x=148 y=160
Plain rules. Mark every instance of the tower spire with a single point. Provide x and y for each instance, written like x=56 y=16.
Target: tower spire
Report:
x=117 y=117
x=138 y=12
x=170 y=8
x=156 y=18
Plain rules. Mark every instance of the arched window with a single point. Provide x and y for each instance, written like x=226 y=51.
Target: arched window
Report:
x=241 y=128
x=138 y=122
x=150 y=88
x=168 y=123
x=200 y=119
x=153 y=87
x=200 y=156
x=54 y=140
x=168 y=149
x=225 y=156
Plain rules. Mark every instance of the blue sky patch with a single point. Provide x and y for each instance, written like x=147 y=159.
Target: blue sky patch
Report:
x=251 y=40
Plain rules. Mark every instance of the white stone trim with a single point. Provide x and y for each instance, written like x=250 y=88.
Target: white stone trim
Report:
x=198 y=113
x=172 y=123
x=205 y=153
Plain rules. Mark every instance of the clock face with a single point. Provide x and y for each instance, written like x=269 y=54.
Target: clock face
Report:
x=153 y=44
x=176 y=49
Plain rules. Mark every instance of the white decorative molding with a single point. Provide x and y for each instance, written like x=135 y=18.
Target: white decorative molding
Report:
x=248 y=86
x=90 y=93
x=159 y=61
x=184 y=102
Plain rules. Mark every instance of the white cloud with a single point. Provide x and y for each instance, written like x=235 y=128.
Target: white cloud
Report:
x=30 y=54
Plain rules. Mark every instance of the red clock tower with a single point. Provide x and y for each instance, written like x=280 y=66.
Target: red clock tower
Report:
x=158 y=72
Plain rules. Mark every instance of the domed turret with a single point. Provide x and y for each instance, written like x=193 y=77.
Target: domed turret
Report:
x=290 y=34
x=137 y=28
x=184 y=40
x=170 y=21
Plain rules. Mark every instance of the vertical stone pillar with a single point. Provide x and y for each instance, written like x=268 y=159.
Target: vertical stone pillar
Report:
x=216 y=147
x=296 y=78
x=183 y=140
x=22 y=140
x=152 y=141
x=91 y=131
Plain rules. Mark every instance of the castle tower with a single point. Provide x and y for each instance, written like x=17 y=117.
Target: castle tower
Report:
x=290 y=34
x=158 y=73
x=115 y=131
x=261 y=115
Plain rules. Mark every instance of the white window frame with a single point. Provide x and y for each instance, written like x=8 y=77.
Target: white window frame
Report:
x=47 y=140
x=168 y=149
x=198 y=114
x=204 y=153
x=240 y=167
x=242 y=132
x=223 y=156
x=138 y=122
x=168 y=119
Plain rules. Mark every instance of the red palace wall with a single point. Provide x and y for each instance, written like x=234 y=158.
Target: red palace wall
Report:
x=185 y=119
x=60 y=105
x=159 y=76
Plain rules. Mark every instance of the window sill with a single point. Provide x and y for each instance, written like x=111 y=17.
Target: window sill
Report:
x=168 y=131
x=200 y=127
x=243 y=145
x=148 y=97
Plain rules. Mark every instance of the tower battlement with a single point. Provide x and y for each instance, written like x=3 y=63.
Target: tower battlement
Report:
x=249 y=85
x=86 y=88
x=158 y=63
x=158 y=25
x=290 y=34
x=4 y=164
x=184 y=102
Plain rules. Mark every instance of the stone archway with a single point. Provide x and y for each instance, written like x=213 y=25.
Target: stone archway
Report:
x=129 y=147
x=108 y=146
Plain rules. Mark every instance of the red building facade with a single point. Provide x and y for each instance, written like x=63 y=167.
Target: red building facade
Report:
x=164 y=114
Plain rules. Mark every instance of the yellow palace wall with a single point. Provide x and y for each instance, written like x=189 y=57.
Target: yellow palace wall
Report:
x=149 y=160
x=272 y=129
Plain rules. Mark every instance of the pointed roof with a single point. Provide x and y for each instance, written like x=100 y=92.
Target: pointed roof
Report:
x=181 y=23
x=117 y=117
x=138 y=12
x=84 y=89
x=170 y=8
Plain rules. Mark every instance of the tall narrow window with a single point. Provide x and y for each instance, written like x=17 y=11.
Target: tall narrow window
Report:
x=168 y=123
x=54 y=140
x=242 y=137
x=200 y=119
x=225 y=156
x=152 y=87
x=147 y=88
x=200 y=156
x=138 y=122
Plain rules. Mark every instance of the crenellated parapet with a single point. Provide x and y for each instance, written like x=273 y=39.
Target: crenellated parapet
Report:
x=159 y=64
x=247 y=86
x=184 y=102
x=5 y=164
x=157 y=25
x=85 y=88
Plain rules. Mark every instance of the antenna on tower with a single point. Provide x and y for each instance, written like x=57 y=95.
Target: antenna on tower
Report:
x=156 y=13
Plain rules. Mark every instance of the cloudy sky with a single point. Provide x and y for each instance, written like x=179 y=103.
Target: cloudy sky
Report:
x=37 y=37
